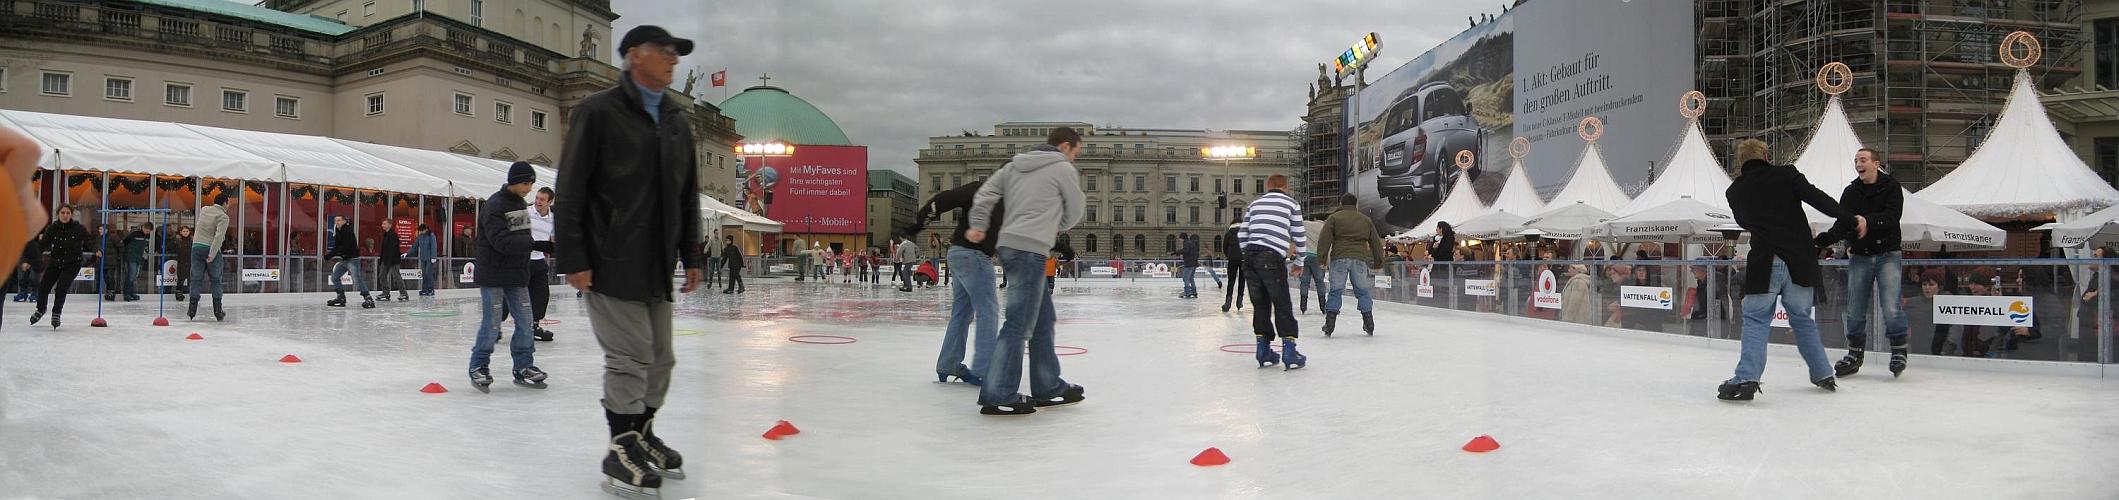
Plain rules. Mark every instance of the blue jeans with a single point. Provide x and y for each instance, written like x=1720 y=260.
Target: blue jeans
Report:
x=975 y=300
x=1758 y=316
x=360 y=280
x=203 y=272
x=516 y=300
x=1211 y=274
x=1187 y=275
x=1357 y=272
x=1029 y=314
x=1883 y=271
x=426 y=275
x=132 y=274
x=1311 y=274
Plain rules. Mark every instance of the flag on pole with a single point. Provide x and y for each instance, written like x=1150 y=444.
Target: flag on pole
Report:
x=721 y=78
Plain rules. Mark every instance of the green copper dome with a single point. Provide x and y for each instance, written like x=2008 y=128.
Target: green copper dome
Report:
x=766 y=113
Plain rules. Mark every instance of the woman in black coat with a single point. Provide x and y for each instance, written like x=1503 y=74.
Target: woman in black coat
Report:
x=734 y=257
x=67 y=240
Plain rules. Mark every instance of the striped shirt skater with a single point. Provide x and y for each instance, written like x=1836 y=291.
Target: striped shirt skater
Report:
x=1274 y=222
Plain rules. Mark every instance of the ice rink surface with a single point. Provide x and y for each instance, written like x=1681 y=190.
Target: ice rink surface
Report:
x=136 y=411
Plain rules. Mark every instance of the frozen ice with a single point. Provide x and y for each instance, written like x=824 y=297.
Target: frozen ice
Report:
x=137 y=411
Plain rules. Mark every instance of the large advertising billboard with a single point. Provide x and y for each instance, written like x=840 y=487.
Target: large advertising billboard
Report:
x=819 y=189
x=1533 y=72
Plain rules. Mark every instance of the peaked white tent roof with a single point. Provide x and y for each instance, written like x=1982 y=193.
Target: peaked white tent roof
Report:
x=1691 y=171
x=732 y=216
x=1517 y=195
x=1461 y=205
x=1591 y=184
x=139 y=147
x=1828 y=162
x=2023 y=168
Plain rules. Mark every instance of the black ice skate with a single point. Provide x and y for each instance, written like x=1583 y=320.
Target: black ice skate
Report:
x=367 y=302
x=482 y=379
x=665 y=461
x=384 y=298
x=626 y=470
x=1331 y=319
x=542 y=335
x=1737 y=392
x=1848 y=365
x=1898 y=359
x=1827 y=383
x=530 y=377
x=36 y=316
x=1069 y=396
x=1368 y=324
x=1020 y=407
x=338 y=302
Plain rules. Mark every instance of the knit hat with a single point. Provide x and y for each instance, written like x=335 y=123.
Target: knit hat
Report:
x=520 y=173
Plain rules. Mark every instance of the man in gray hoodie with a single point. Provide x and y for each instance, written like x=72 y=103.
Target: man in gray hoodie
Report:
x=205 y=254
x=1044 y=198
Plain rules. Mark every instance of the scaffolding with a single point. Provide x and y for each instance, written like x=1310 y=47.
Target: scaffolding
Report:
x=1928 y=82
x=1321 y=149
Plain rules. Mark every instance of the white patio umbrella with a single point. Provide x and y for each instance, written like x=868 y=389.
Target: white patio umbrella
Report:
x=1679 y=220
x=2097 y=228
x=1567 y=222
x=1498 y=225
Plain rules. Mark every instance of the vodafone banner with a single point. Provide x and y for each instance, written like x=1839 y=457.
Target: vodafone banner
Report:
x=1547 y=295
x=1780 y=315
x=1426 y=290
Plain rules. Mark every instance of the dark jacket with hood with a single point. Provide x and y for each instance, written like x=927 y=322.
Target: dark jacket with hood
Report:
x=1881 y=203
x=628 y=205
x=1768 y=200
x=733 y=256
x=390 y=252
x=1189 y=251
x=1445 y=247
x=504 y=241
x=959 y=199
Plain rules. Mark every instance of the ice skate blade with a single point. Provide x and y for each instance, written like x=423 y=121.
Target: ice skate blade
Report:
x=677 y=473
x=485 y=388
x=614 y=487
x=530 y=384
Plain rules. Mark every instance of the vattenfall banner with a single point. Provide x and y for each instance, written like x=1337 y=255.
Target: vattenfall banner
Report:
x=1479 y=288
x=1645 y=297
x=1983 y=310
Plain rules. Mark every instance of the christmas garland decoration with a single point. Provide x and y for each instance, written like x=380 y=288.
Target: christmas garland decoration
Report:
x=134 y=186
x=174 y=184
x=338 y=196
x=95 y=180
x=305 y=193
x=255 y=187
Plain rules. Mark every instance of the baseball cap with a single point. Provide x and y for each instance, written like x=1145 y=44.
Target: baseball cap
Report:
x=653 y=34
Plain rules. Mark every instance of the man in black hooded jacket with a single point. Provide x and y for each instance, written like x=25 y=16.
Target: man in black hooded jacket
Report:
x=1767 y=200
x=346 y=252
x=1872 y=262
x=503 y=276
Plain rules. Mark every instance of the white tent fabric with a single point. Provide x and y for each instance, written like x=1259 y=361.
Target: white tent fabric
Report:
x=1495 y=225
x=1591 y=184
x=2023 y=169
x=1691 y=171
x=1678 y=220
x=1828 y=162
x=546 y=176
x=1461 y=205
x=44 y=151
x=1518 y=196
x=732 y=216
x=317 y=160
x=139 y=147
x=2097 y=228
x=1568 y=222
x=467 y=179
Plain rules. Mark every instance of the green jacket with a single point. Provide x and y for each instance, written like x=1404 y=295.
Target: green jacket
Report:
x=1346 y=235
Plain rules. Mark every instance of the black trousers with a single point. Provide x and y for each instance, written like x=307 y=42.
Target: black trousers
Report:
x=387 y=279
x=540 y=291
x=58 y=277
x=1272 y=310
x=735 y=280
x=1234 y=293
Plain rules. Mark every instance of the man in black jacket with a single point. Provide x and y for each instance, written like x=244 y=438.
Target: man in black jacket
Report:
x=1188 y=251
x=629 y=210
x=975 y=297
x=1232 y=250
x=503 y=281
x=389 y=255
x=1782 y=267
x=67 y=242
x=346 y=252
x=1872 y=263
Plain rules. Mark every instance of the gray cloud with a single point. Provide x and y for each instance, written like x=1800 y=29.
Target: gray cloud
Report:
x=893 y=73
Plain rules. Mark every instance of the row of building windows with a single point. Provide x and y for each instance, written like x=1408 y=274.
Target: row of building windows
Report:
x=1092 y=149
x=179 y=94
x=1089 y=182
x=1140 y=244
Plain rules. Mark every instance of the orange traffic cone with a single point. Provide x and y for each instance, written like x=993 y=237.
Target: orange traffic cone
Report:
x=1209 y=458
x=194 y=336
x=290 y=359
x=433 y=388
x=1482 y=444
x=781 y=430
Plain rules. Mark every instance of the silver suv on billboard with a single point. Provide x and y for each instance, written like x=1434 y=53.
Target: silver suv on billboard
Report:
x=1423 y=130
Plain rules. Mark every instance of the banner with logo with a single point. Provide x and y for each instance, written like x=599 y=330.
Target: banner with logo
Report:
x=169 y=273
x=1645 y=297
x=466 y=276
x=1382 y=281
x=1983 y=310
x=86 y=274
x=408 y=274
x=1547 y=295
x=1480 y=288
x=1426 y=290
x=1103 y=271
x=260 y=275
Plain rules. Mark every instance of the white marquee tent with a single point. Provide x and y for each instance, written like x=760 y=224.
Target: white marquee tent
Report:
x=1518 y=196
x=2023 y=169
x=1691 y=171
x=1828 y=162
x=1591 y=184
x=1462 y=204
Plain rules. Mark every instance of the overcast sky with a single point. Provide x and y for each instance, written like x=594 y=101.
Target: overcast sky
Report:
x=893 y=73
